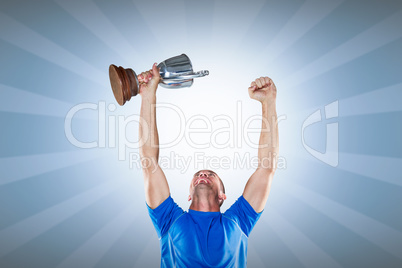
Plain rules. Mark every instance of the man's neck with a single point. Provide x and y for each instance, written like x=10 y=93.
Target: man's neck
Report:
x=205 y=203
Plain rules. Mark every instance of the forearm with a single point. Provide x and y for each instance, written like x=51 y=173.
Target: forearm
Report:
x=155 y=183
x=148 y=133
x=258 y=186
x=268 y=144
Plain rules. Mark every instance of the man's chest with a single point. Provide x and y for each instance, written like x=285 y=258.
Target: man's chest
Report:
x=214 y=241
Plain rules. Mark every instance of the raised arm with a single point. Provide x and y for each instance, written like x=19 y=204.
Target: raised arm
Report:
x=258 y=186
x=156 y=185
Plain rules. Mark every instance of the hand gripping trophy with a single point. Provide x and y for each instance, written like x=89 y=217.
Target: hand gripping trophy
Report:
x=175 y=72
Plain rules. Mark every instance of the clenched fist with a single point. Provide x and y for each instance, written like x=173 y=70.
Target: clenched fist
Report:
x=263 y=89
x=149 y=81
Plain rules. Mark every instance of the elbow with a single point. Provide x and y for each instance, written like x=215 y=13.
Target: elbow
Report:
x=149 y=163
x=266 y=172
x=148 y=153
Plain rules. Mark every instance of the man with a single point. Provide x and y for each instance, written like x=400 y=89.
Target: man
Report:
x=203 y=236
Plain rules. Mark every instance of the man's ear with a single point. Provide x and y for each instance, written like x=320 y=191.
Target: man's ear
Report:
x=222 y=196
x=189 y=197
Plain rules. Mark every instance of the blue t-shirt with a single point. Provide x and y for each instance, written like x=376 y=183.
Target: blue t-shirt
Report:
x=203 y=239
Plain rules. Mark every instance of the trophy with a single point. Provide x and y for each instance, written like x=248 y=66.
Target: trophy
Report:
x=175 y=72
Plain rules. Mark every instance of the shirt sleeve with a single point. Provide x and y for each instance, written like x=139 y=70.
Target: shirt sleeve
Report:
x=164 y=215
x=243 y=214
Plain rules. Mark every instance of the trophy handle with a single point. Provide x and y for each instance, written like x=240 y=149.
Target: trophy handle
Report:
x=188 y=76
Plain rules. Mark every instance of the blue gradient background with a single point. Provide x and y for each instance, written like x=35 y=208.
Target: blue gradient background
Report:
x=62 y=206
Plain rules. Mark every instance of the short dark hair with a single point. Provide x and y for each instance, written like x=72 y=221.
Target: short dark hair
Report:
x=223 y=189
x=223 y=186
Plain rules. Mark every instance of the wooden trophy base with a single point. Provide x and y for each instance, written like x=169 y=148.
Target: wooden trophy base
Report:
x=124 y=83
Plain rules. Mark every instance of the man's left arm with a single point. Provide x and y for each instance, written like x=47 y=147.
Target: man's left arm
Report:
x=258 y=186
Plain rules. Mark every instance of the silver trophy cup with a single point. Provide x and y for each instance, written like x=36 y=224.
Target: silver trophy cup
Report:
x=175 y=72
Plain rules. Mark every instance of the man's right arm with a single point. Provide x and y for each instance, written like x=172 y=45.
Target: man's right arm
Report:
x=155 y=183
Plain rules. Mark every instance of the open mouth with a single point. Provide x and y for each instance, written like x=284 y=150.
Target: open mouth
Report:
x=202 y=180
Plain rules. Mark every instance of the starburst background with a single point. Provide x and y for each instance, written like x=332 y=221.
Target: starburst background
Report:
x=63 y=206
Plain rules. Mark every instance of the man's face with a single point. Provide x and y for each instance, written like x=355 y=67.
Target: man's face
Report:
x=205 y=179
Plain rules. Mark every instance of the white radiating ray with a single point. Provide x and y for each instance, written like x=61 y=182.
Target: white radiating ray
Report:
x=378 y=233
x=89 y=253
x=382 y=100
x=29 y=228
x=20 y=101
x=377 y=36
x=21 y=36
x=309 y=15
x=305 y=250
x=89 y=15
x=42 y=163
x=253 y=258
x=171 y=18
x=381 y=168
x=225 y=36
x=150 y=248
